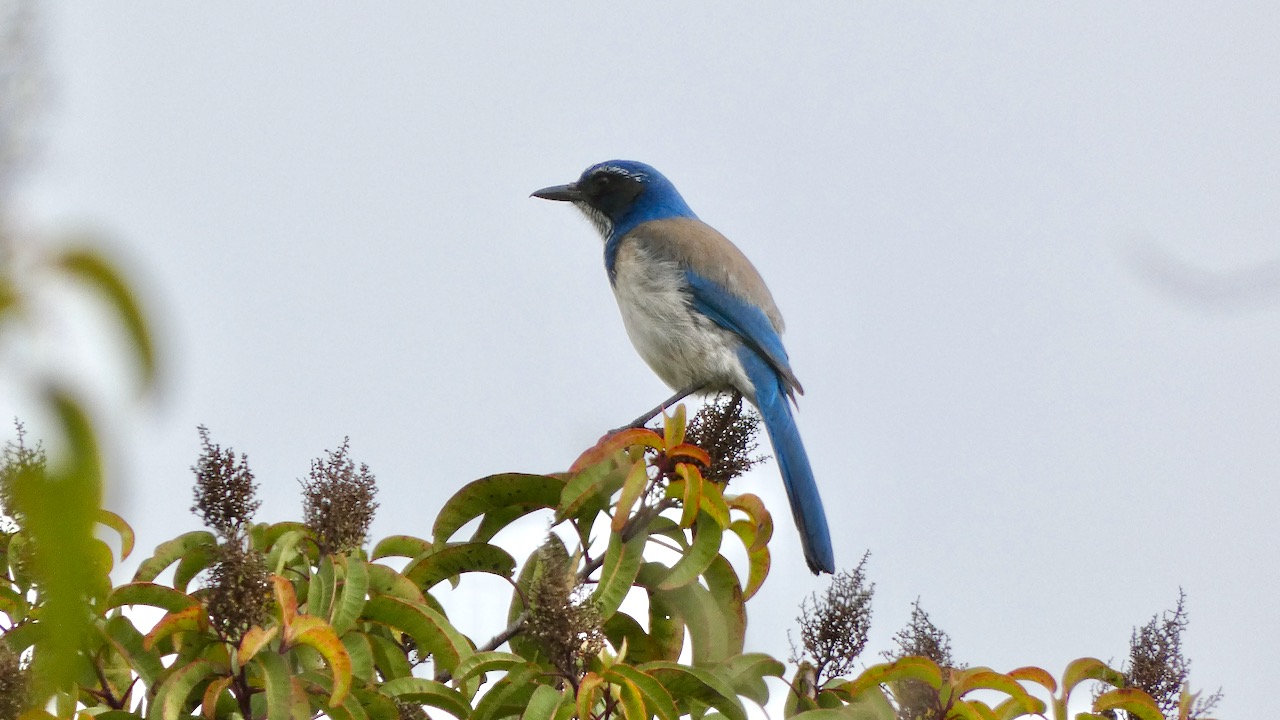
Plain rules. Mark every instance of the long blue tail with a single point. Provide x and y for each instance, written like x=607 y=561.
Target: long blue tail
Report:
x=802 y=491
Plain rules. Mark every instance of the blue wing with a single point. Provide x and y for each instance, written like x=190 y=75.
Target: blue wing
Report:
x=749 y=322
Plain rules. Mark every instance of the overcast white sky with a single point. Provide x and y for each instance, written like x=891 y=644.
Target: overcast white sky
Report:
x=1032 y=431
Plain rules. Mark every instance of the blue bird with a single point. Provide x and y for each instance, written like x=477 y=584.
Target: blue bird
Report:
x=700 y=315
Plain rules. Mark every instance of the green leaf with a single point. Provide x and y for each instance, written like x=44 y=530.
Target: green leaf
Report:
x=277 y=684
x=709 y=628
x=406 y=546
x=686 y=683
x=656 y=698
x=389 y=657
x=510 y=694
x=595 y=485
x=171 y=698
x=543 y=704
x=1133 y=701
x=355 y=586
x=429 y=629
x=323 y=588
x=192 y=564
x=360 y=650
x=1089 y=669
x=127 y=641
x=95 y=271
x=432 y=567
x=483 y=662
x=618 y=573
x=706 y=546
x=167 y=553
x=122 y=528
x=495 y=492
x=722 y=583
x=285 y=549
x=428 y=692
x=150 y=594
x=746 y=673
x=62 y=506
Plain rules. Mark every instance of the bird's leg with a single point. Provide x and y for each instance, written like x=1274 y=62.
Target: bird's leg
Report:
x=645 y=418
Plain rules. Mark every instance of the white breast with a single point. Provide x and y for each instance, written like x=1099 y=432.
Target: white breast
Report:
x=682 y=346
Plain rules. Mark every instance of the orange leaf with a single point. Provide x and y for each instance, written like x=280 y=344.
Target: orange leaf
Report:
x=286 y=599
x=317 y=634
x=1035 y=675
x=754 y=507
x=209 y=704
x=254 y=640
x=192 y=619
x=693 y=452
x=610 y=444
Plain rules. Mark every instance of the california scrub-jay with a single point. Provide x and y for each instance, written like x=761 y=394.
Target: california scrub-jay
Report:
x=699 y=313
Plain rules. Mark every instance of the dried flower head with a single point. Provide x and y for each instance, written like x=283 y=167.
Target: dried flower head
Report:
x=337 y=501
x=833 y=627
x=920 y=638
x=238 y=591
x=562 y=617
x=727 y=429
x=17 y=461
x=410 y=711
x=1157 y=666
x=225 y=491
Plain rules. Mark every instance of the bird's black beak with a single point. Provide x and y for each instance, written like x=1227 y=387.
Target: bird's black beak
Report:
x=568 y=192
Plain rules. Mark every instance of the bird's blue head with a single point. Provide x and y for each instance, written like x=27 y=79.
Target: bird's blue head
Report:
x=618 y=195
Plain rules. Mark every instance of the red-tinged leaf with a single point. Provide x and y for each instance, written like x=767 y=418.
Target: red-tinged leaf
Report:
x=1035 y=675
x=150 y=594
x=962 y=710
x=428 y=692
x=317 y=634
x=690 y=452
x=429 y=629
x=286 y=600
x=168 y=553
x=1133 y=701
x=435 y=566
x=171 y=698
x=254 y=640
x=656 y=698
x=632 y=489
x=192 y=619
x=694 y=562
x=117 y=523
x=406 y=546
x=618 y=573
x=588 y=691
x=986 y=679
x=687 y=684
x=673 y=427
x=351 y=599
x=1088 y=669
x=484 y=662
x=759 y=562
x=493 y=493
x=754 y=508
x=611 y=444
x=95 y=271
x=631 y=701
x=212 y=692
x=907 y=668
